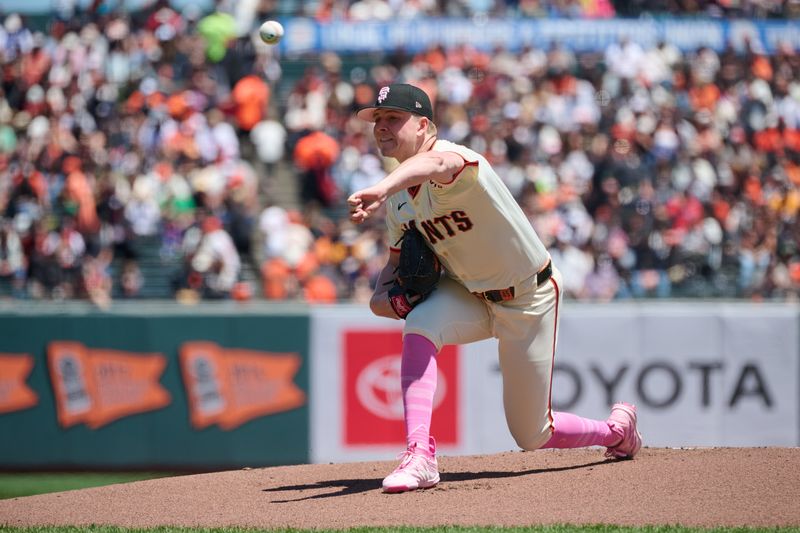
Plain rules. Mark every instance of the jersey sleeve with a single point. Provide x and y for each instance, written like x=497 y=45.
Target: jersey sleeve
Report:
x=465 y=177
x=468 y=172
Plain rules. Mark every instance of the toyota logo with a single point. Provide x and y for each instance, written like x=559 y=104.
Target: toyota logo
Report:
x=378 y=388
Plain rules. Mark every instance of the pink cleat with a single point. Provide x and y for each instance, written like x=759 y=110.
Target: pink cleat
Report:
x=623 y=421
x=417 y=470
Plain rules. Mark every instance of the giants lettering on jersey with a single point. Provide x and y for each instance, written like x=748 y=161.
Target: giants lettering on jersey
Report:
x=445 y=226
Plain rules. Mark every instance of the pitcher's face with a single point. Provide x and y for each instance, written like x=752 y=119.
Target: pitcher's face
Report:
x=398 y=133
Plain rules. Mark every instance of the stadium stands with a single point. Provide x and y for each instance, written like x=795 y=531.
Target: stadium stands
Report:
x=142 y=158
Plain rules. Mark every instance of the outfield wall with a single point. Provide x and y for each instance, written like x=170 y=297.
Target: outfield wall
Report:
x=228 y=385
x=701 y=374
x=185 y=388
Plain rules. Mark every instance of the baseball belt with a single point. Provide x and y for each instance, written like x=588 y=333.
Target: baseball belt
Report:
x=503 y=295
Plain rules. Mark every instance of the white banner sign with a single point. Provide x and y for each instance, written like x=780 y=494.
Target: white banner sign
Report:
x=701 y=374
x=306 y=35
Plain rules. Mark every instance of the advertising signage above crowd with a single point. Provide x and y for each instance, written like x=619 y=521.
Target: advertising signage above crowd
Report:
x=307 y=35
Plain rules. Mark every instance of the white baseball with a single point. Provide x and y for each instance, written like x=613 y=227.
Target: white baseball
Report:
x=271 y=32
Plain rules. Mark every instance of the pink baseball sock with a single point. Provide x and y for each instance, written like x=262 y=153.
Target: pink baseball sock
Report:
x=418 y=377
x=572 y=431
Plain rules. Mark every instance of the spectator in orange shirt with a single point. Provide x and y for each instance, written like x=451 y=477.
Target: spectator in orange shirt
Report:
x=79 y=190
x=251 y=100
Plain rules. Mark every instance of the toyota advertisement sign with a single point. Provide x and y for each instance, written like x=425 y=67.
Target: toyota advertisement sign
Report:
x=700 y=375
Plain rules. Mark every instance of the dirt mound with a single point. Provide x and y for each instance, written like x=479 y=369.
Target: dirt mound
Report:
x=692 y=487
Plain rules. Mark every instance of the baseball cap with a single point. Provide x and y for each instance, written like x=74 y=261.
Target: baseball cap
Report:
x=400 y=96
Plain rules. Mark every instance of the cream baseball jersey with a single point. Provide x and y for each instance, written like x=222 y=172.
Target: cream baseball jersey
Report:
x=467 y=221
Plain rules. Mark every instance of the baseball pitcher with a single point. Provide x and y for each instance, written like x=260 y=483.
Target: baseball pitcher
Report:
x=449 y=212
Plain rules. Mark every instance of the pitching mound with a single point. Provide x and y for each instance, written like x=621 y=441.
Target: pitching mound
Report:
x=693 y=487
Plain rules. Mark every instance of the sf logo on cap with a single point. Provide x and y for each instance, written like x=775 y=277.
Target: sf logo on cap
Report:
x=384 y=92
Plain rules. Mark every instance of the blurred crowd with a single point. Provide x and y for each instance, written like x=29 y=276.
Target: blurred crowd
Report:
x=647 y=172
x=146 y=145
x=120 y=131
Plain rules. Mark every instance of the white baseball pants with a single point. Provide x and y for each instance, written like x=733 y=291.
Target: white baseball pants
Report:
x=526 y=328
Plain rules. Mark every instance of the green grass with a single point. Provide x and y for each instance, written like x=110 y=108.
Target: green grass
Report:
x=28 y=484
x=448 y=529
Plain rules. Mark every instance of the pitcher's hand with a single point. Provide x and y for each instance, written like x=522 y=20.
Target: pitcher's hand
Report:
x=365 y=202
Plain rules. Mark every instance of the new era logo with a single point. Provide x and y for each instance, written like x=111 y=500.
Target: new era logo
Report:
x=418 y=105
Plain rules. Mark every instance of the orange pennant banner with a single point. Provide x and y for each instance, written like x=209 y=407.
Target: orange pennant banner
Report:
x=15 y=395
x=230 y=386
x=205 y=378
x=99 y=386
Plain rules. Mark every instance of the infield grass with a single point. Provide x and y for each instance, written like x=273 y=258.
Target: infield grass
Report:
x=29 y=484
x=448 y=529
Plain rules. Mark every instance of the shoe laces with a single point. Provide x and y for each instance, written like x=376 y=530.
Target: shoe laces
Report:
x=618 y=428
x=412 y=460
